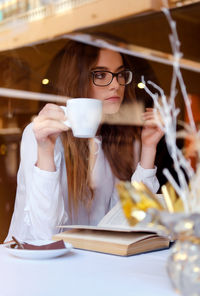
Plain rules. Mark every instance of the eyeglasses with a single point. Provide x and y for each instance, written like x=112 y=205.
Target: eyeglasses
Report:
x=104 y=78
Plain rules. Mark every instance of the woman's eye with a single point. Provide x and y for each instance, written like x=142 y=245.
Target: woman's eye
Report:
x=122 y=74
x=100 y=75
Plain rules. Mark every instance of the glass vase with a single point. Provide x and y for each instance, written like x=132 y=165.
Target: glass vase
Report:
x=183 y=267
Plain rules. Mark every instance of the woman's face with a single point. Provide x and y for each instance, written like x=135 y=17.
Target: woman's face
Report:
x=111 y=95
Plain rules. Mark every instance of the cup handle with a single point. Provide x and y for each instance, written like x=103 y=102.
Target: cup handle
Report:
x=66 y=122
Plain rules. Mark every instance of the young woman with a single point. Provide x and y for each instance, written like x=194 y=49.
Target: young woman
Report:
x=67 y=180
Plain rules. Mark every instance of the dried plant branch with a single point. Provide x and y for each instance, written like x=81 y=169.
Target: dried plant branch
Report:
x=169 y=113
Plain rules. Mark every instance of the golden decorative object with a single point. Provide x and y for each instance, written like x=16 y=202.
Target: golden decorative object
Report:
x=173 y=202
x=136 y=199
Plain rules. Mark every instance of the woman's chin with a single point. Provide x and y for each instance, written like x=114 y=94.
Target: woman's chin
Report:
x=111 y=109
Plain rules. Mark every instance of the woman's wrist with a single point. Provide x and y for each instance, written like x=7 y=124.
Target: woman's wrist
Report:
x=45 y=159
x=148 y=155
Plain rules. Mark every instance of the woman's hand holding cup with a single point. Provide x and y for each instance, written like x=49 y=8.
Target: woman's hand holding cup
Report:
x=49 y=124
x=82 y=115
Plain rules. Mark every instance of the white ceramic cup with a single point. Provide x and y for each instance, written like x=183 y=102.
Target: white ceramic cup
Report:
x=83 y=116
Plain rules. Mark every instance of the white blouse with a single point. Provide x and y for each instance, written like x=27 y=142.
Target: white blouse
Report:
x=41 y=198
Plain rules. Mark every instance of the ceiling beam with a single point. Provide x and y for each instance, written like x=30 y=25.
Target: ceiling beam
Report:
x=135 y=50
x=19 y=31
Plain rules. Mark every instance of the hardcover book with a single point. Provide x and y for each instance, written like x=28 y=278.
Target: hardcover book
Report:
x=113 y=235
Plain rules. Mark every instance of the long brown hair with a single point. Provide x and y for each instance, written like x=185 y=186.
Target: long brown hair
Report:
x=117 y=141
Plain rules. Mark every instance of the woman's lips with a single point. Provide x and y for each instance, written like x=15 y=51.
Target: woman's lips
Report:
x=113 y=99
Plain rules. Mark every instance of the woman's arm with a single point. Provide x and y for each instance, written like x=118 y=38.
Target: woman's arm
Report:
x=46 y=127
x=41 y=189
x=151 y=135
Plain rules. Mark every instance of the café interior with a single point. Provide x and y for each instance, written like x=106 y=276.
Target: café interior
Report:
x=33 y=34
x=29 y=62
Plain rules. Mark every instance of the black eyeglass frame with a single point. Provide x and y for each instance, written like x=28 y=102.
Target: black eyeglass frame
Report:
x=113 y=75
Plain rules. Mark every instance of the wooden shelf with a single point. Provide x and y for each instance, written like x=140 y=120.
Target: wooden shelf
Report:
x=22 y=33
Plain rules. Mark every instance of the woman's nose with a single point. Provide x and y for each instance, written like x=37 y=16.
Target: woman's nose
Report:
x=114 y=84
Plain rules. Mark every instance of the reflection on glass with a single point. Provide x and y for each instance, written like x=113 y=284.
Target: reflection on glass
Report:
x=31 y=10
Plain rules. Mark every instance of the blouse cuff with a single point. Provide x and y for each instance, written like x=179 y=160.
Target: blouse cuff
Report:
x=146 y=172
x=48 y=174
x=141 y=173
x=147 y=176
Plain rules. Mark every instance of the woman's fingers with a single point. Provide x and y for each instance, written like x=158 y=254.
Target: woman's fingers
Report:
x=49 y=121
x=51 y=117
x=45 y=133
x=52 y=111
x=152 y=117
x=151 y=132
x=41 y=122
x=49 y=124
x=150 y=123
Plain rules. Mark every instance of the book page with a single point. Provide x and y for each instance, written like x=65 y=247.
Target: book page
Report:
x=124 y=238
x=115 y=217
x=115 y=220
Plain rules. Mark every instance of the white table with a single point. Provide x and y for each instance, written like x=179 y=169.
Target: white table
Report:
x=83 y=273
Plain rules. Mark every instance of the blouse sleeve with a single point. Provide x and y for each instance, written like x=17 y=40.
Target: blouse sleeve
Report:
x=147 y=176
x=39 y=203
